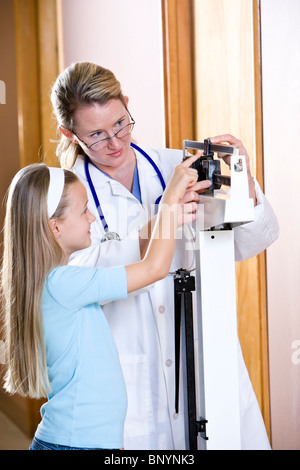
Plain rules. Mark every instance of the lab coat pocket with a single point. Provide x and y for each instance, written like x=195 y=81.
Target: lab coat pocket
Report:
x=139 y=419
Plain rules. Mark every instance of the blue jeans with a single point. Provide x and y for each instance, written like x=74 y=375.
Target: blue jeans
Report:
x=41 y=445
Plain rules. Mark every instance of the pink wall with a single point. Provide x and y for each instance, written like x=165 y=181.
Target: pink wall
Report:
x=126 y=37
x=281 y=108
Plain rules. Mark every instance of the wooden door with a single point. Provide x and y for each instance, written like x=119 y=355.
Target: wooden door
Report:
x=31 y=56
x=213 y=86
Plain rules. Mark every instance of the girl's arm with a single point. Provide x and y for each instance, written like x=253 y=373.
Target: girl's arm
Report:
x=187 y=208
x=158 y=258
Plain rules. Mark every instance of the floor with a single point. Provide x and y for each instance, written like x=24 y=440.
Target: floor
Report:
x=11 y=437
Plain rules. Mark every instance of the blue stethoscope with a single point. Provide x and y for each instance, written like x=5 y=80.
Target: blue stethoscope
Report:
x=113 y=235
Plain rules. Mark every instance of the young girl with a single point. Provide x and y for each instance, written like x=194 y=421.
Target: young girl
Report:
x=58 y=342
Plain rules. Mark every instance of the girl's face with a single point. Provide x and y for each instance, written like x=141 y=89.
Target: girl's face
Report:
x=73 y=230
x=94 y=121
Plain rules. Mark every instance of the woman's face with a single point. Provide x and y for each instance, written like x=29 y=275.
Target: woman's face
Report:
x=93 y=122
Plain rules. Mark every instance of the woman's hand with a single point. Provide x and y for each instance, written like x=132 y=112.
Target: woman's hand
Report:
x=231 y=140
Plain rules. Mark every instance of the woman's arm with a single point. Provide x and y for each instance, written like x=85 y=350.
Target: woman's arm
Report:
x=156 y=263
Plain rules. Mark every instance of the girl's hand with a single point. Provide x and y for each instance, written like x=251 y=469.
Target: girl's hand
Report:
x=181 y=193
x=190 y=189
x=181 y=187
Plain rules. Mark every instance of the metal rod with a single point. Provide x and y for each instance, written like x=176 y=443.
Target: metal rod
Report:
x=184 y=284
x=222 y=179
x=177 y=302
x=192 y=144
x=190 y=370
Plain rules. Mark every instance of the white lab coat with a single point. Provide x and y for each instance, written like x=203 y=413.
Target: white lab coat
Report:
x=142 y=325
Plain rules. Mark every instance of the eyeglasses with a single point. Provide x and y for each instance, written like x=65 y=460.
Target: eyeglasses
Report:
x=100 y=144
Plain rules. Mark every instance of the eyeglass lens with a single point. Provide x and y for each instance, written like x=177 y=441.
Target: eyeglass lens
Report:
x=121 y=133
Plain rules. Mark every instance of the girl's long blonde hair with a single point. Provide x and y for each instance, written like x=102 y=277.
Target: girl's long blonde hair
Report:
x=79 y=85
x=30 y=252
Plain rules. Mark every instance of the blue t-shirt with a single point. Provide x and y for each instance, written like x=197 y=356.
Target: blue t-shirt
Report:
x=88 y=402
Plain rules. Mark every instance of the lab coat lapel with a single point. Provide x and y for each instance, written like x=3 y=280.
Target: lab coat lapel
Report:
x=118 y=189
x=100 y=180
x=150 y=185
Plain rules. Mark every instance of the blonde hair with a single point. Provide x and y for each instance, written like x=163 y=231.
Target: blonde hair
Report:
x=30 y=252
x=79 y=85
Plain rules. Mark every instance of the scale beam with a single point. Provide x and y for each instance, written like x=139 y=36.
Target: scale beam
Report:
x=209 y=147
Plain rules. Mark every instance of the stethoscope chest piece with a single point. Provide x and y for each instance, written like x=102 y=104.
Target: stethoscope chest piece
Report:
x=110 y=236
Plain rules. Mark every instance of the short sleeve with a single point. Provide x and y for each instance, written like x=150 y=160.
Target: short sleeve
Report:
x=75 y=287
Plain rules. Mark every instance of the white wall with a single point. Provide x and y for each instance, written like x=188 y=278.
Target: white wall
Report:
x=125 y=37
x=281 y=109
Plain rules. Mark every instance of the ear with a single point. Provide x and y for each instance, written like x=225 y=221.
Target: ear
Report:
x=55 y=228
x=67 y=133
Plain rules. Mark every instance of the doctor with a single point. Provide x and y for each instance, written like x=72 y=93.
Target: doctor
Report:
x=124 y=183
